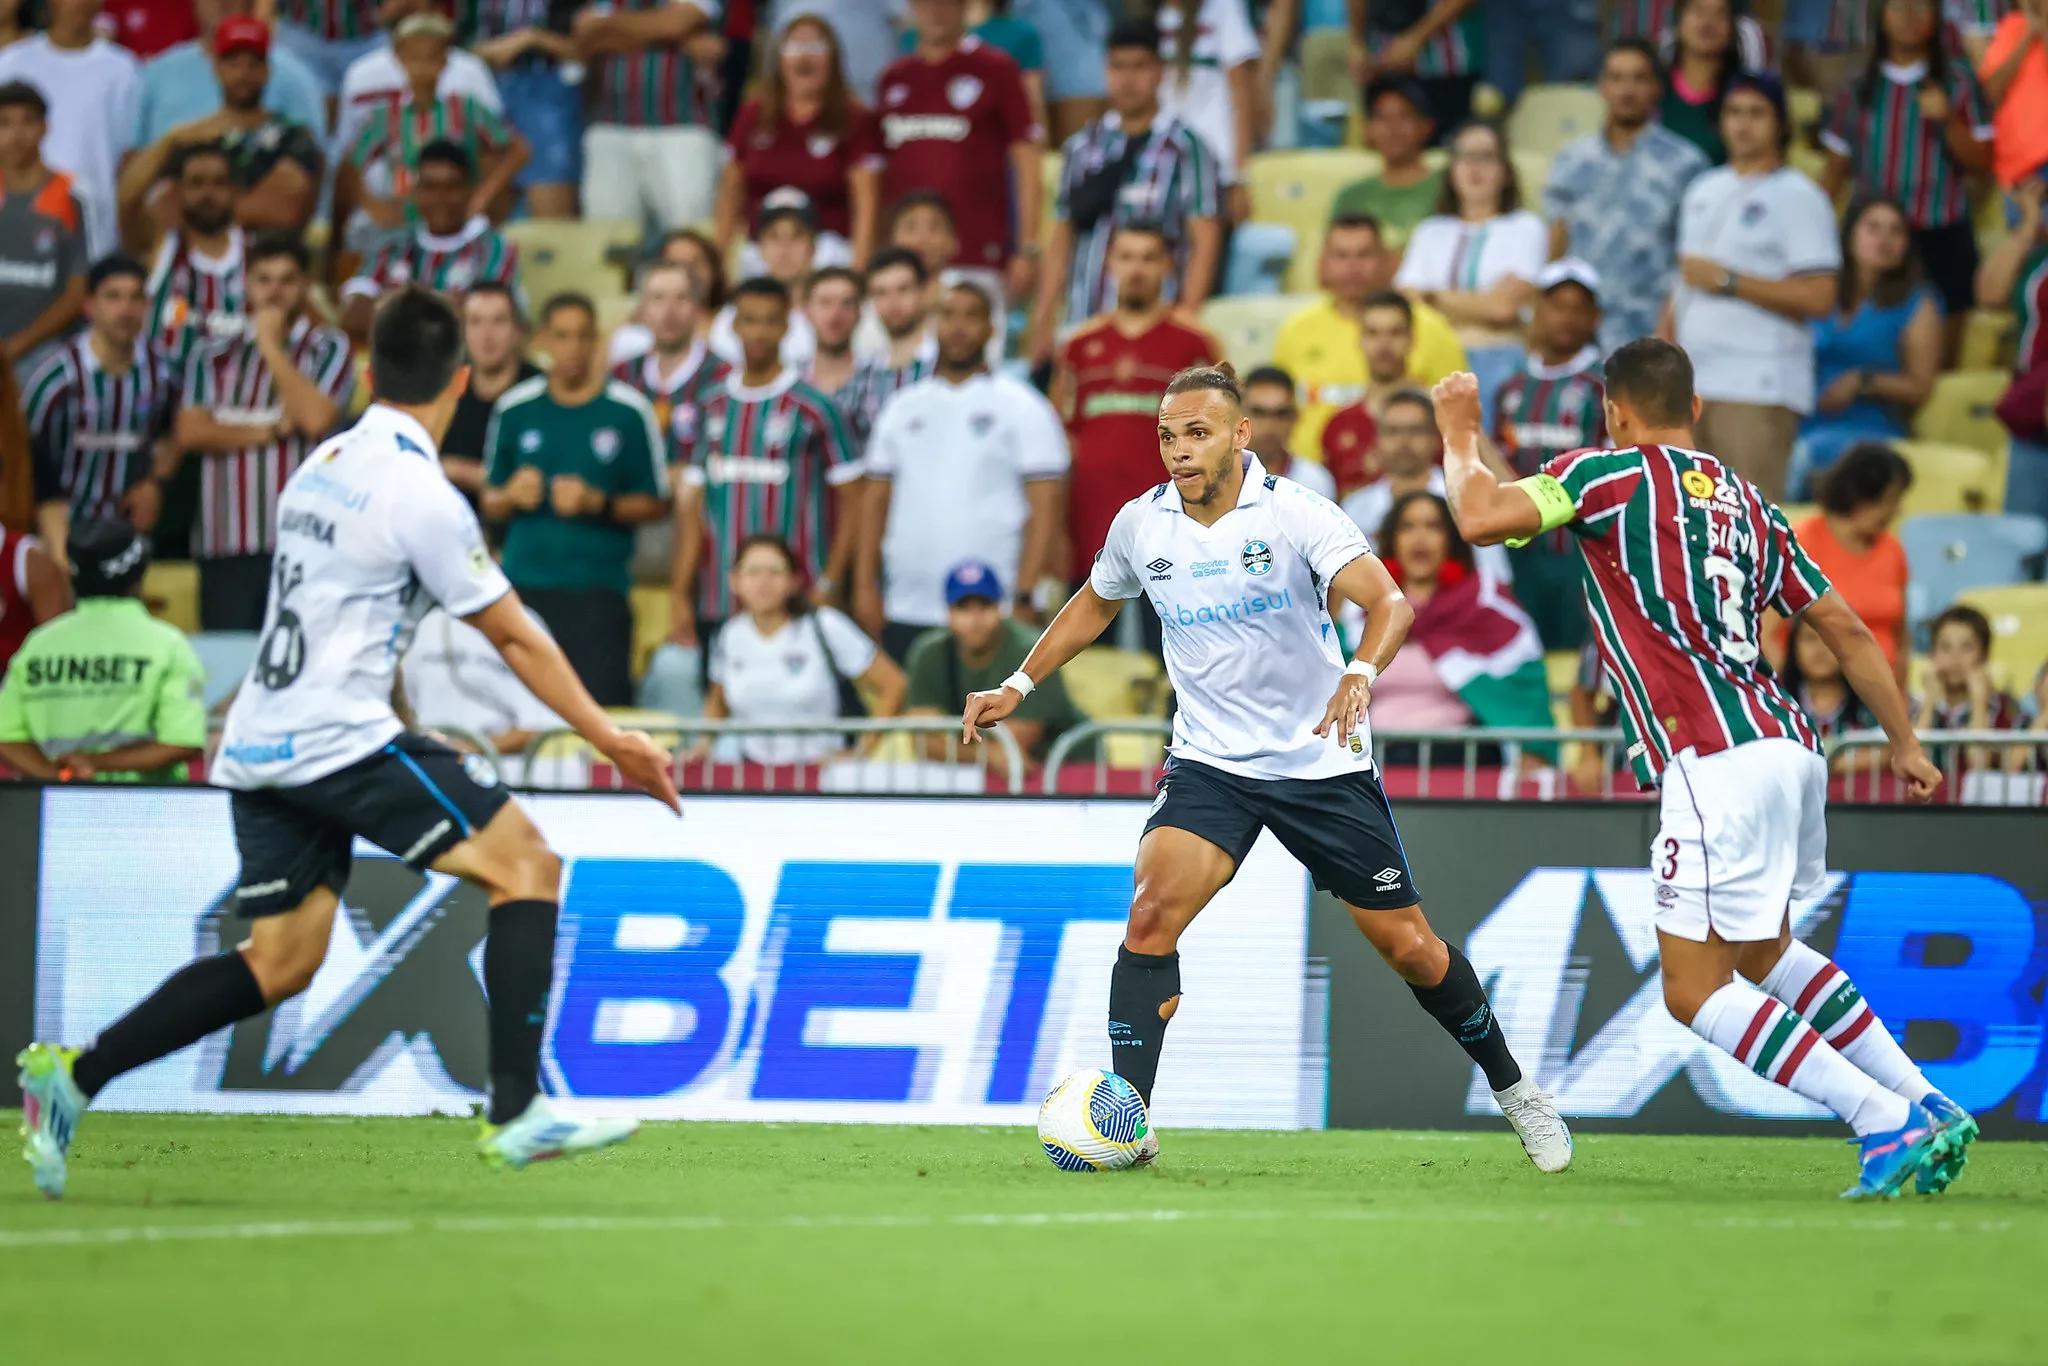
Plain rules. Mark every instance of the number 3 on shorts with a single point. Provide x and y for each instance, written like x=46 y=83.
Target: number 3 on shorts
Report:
x=1670 y=868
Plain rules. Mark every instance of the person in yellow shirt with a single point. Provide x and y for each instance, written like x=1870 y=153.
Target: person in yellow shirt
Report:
x=1319 y=345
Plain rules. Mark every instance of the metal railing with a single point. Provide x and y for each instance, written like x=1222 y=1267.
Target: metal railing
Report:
x=1978 y=767
x=867 y=766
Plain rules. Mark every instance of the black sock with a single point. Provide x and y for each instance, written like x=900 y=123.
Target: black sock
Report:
x=1459 y=1005
x=197 y=999
x=519 y=966
x=1144 y=991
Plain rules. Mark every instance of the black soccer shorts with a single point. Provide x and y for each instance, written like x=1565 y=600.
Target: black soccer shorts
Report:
x=1340 y=829
x=415 y=798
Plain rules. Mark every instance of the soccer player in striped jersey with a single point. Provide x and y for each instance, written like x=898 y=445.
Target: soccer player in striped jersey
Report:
x=199 y=286
x=771 y=453
x=1682 y=558
x=447 y=249
x=253 y=409
x=96 y=407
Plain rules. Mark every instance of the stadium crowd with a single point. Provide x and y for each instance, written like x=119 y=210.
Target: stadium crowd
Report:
x=907 y=280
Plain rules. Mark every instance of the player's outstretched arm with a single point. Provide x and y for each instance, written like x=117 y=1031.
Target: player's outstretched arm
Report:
x=1487 y=511
x=1870 y=674
x=539 y=663
x=1086 y=616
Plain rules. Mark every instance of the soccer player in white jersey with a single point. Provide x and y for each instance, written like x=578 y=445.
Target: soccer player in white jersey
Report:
x=1681 y=556
x=1270 y=733
x=371 y=535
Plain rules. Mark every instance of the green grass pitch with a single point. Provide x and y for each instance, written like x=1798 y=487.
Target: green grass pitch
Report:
x=385 y=1242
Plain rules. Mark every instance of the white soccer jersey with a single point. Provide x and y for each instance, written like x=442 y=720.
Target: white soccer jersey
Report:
x=1250 y=649
x=370 y=537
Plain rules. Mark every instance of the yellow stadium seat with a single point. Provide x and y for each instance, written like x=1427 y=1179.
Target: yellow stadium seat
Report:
x=170 y=589
x=1806 y=107
x=1298 y=189
x=1532 y=169
x=1111 y=684
x=2019 y=628
x=650 y=623
x=1549 y=116
x=1960 y=411
x=613 y=311
x=1326 y=67
x=557 y=254
x=1990 y=336
x=1561 y=671
x=1248 y=324
x=359 y=396
x=1945 y=478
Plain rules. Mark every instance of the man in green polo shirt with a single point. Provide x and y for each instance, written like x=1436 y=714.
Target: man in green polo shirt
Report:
x=976 y=650
x=104 y=691
x=573 y=462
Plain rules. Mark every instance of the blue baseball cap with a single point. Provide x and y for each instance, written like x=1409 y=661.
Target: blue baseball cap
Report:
x=972 y=579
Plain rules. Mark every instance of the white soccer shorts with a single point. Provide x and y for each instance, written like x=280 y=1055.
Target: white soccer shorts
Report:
x=1743 y=834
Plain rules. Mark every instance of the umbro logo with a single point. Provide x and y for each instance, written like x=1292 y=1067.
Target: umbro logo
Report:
x=1387 y=878
x=1161 y=569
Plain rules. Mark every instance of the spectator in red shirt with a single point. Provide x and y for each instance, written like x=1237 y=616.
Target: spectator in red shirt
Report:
x=954 y=115
x=805 y=131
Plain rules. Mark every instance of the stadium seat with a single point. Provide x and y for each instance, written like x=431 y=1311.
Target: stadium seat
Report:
x=557 y=254
x=1946 y=478
x=171 y=591
x=1248 y=327
x=1546 y=117
x=1990 y=336
x=650 y=623
x=1806 y=107
x=1532 y=169
x=226 y=656
x=1960 y=412
x=1260 y=256
x=1298 y=189
x=2019 y=629
x=1326 y=67
x=613 y=310
x=359 y=395
x=1951 y=555
x=1111 y=684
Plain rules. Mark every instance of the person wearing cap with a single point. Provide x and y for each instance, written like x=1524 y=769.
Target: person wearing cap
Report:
x=104 y=691
x=968 y=464
x=381 y=160
x=1405 y=190
x=977 y=648
x=1556 y=403
x=805 y=131
x=276 y=163
x=448 y=248
x=1759 y=259
x=1613 y=197
x=92 y=87
x=179 y=84
x=1135 y=164
x=43 y=252
x=784 y=250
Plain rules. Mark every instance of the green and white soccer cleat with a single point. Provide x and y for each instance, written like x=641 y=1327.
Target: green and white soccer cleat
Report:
x=539 y=1134
x=51 y=1107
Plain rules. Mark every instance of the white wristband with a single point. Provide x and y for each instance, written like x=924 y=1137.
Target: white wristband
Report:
x=1021 y=681
x=1365 y=669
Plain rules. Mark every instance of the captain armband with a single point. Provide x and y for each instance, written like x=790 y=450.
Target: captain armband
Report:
x=1553 y=504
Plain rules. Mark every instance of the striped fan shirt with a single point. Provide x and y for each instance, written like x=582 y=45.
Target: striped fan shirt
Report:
x=330 y=20
x=482 y=20
x=1456 y=49
x=91 y=431
x=1896 y=152
x=678 y=401
x=1172 y=177
x=238 y=490
x=1545 y=410
x=395 y=130
x=197 y=302
x=1682 y=556
x=766 y=459
x=872 y=386
x=655 y=87
x=2030 y=303
x=449 y=265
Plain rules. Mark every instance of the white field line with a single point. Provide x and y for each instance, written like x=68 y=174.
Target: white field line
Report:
x=271 y=1230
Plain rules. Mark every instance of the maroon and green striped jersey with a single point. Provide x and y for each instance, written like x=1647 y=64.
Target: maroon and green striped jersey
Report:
x=765 y=459
x=197 y=302
x=1896 y=152
x=330 y=20
x=2030 y=302
x=396 y=130
x=450 y=265
x=90 y=432
x=1681 y=557
x=653 y=87
x=678 y=400
x=1542 y=411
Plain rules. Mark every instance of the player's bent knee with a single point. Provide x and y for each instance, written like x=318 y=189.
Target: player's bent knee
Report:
x=283 y=952
x=1683 y=999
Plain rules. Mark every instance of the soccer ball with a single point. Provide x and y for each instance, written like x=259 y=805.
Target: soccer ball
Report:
x=1093 y=1121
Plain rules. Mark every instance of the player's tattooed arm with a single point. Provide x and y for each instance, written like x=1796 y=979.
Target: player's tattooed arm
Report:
x=1487 y=510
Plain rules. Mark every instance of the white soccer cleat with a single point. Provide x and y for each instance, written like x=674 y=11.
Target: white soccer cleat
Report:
x=1533 y=1112
x=540 y=1134
x=51 y=1105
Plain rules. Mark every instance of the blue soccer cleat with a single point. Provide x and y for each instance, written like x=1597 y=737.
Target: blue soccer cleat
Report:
x=1891 y=1155
x=51 y=1105
x=539 y=1134
x=1954 y=1130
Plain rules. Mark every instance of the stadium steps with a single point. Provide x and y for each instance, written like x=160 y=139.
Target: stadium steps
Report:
x=2019 y=629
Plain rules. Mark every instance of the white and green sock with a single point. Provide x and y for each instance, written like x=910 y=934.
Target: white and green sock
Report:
x=1777 y=1045
x=1822 y=994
